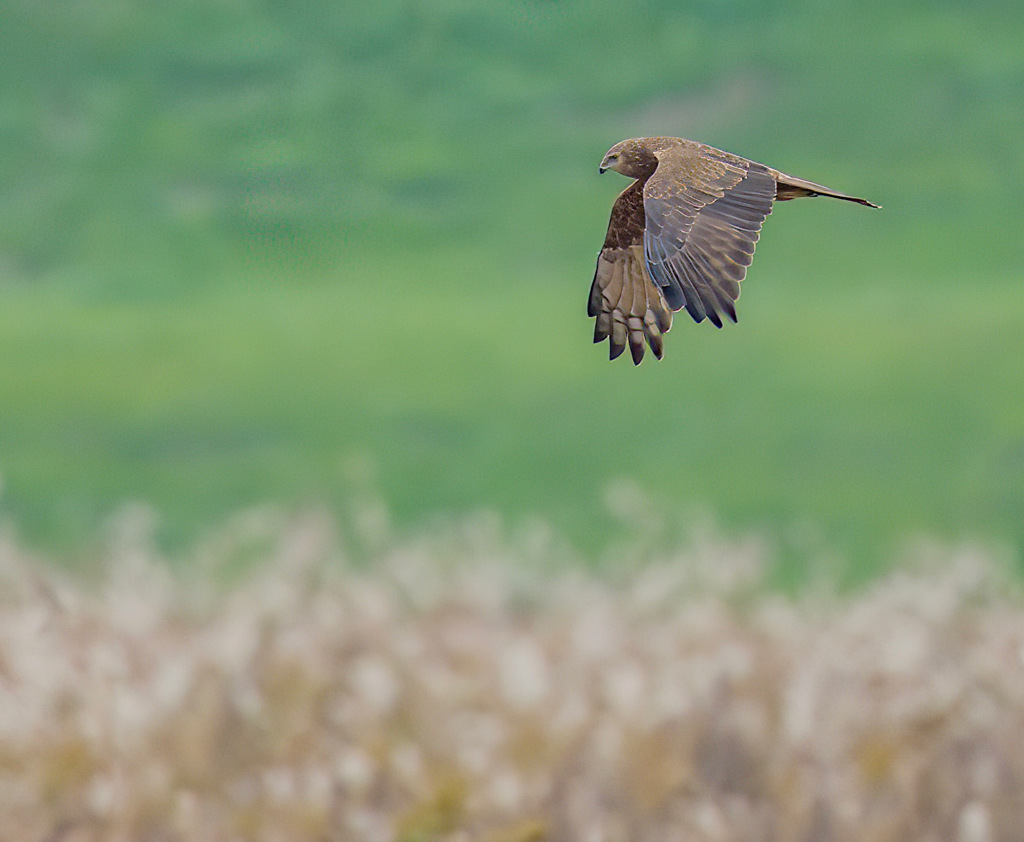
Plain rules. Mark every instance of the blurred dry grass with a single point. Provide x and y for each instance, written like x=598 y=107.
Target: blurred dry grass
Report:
x=468 y=686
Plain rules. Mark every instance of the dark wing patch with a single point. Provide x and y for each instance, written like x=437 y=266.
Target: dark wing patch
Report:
x=704 y=211
x=627 y=304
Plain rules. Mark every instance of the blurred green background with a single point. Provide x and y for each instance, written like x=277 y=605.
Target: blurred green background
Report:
x=246 y=245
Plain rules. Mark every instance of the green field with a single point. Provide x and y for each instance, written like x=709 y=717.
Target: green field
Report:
x=246 y=246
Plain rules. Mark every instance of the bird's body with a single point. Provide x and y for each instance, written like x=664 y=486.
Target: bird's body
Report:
x=681 y=235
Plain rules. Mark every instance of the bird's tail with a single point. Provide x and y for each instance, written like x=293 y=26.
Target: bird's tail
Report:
x=788 y=187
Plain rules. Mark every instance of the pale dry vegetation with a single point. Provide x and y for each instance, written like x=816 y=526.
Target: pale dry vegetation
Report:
x=471 y=685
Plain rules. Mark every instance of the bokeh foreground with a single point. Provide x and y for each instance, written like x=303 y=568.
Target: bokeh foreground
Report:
x=468 y=685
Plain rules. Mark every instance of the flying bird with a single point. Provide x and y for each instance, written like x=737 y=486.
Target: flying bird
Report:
x=681 y=235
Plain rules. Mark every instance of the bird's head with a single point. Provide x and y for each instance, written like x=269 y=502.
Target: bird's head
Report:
x=631 y=158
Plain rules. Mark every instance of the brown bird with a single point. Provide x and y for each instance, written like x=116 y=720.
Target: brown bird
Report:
x=681 y=235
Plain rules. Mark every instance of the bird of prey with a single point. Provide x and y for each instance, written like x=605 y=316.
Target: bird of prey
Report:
x=681 y=235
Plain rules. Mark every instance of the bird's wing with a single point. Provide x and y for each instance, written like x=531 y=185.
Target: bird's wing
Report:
x=704 y=209
x=628 y=305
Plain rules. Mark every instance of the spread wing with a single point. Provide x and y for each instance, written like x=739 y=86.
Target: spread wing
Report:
x=628 y=305
x=704 y=209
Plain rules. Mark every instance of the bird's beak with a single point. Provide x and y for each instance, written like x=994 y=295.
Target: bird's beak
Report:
x=602 y=169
